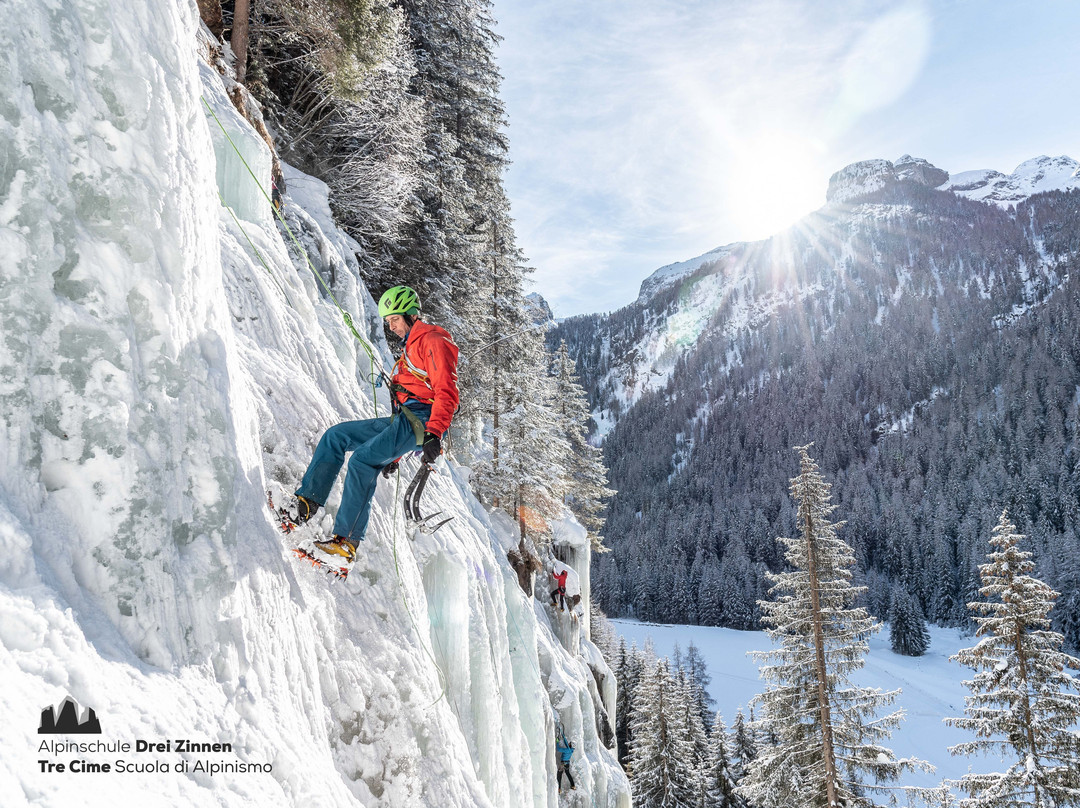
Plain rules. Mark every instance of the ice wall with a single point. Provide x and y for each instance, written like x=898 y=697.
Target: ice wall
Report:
x=164 y=365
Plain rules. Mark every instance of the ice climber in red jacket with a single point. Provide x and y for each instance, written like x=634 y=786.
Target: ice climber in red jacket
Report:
x=424 y=382
x=560 y=589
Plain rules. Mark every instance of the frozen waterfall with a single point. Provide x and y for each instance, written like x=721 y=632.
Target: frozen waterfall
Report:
x=169 y=357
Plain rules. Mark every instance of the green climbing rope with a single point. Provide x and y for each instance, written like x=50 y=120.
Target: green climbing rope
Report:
x=251 y=244
x=344 y=314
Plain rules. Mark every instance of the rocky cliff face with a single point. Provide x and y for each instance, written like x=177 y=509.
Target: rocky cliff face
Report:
x=921 y=171
x=868 y=176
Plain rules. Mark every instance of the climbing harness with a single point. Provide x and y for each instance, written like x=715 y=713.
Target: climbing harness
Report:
x=380 y=379
x=281 y=217
x=425 y=524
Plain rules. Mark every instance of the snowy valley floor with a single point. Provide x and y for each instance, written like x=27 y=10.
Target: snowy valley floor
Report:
x=932 y=685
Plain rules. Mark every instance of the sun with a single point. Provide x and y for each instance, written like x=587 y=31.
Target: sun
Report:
x=775 y=179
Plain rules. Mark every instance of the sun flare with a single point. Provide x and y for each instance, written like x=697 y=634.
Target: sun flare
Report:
x=776 y=180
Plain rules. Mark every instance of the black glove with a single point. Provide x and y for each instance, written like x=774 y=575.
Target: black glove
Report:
x=432 y=447
x=389 y=469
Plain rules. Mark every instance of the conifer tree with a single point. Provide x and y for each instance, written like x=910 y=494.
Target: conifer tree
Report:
x=1020 y=703
x=826 y=739
x=691 y=725
x=459 y=250
x=720 y=779
x=584 y=466
x=743 y=746
x=907 y=626
x=525 y=476
x=698 y=675
x=661 y=771
x=627 y=674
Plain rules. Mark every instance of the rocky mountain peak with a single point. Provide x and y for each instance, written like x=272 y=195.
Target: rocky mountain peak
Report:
x=860 y=178
x=921 y=171
x=1037 y=175
x=868 y=176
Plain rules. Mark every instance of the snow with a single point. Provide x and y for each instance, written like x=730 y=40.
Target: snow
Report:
x=858 y=179
x=931 y=686
x=1035 y=176
x=674 y=272
x=167 y=362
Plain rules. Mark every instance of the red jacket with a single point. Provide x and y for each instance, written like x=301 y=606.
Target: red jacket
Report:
x=560 y=579
x=427 y=369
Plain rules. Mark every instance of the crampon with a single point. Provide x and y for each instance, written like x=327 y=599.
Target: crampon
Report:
x=287 y=522
x=337 y=571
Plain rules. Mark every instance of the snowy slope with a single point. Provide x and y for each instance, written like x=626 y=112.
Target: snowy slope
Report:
x=932 y=686
x=1035 y=176
x=167 y=364
x=677 y=271
x=722 y=280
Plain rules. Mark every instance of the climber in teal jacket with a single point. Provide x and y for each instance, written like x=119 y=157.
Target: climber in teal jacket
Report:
x=564 y=750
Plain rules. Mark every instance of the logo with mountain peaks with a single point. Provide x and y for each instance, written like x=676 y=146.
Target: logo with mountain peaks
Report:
x=65 y=719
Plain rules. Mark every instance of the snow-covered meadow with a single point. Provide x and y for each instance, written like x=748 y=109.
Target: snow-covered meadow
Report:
x=931 y=685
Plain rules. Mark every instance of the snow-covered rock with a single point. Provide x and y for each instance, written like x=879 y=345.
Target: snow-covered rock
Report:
x=916 y=169
x=166 y=362
x=540 y=311
x=675 y=272
x=860 y=178
x=1034 y=176
x=868 y=176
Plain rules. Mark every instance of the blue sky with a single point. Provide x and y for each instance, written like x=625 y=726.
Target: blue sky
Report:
x=644 y=132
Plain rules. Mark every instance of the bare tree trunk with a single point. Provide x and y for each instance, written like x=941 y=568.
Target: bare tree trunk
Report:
x=210 y=11
x=239 y=41
x=1028 y=720
x=824 y=710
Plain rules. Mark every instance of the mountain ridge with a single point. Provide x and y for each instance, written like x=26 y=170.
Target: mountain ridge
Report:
x=1036 y=175
x=906 y=317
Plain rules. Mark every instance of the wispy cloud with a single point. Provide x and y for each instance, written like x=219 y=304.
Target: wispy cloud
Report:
x=648 y=131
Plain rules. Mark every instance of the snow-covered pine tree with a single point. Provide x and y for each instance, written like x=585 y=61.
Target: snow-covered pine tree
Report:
x=585 y=465
x=1020 y=703
x=628 y=670
x=690 y=723
x=333 y=79
x=460 y=250
x=719 y=777
x=525 y=477
x=438 y=252
x=743 y=746
x=697 y=674
x=710 y=597
x=907 y=626
x=826 y=739
x=661 y=771
x=492 y=377
x=1067 y=610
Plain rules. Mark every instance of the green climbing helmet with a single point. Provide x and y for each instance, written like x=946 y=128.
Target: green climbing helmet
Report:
x=399 y=300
